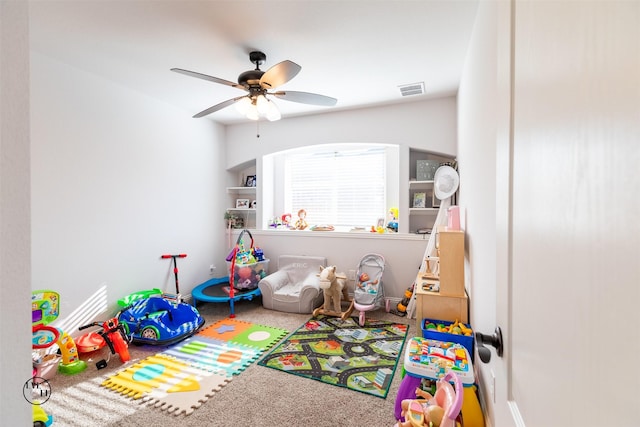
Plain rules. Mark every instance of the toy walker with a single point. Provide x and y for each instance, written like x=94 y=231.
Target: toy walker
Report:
x=442 y=409
x=368 y=293
x=44 y=310
x=427 y=359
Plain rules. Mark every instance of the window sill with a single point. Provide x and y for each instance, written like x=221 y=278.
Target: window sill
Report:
x=338 y=234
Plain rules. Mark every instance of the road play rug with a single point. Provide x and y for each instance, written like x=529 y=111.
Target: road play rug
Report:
x=342 y=353
x=184 y=376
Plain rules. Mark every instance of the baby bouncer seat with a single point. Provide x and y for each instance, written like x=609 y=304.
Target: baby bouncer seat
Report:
x=368 y=293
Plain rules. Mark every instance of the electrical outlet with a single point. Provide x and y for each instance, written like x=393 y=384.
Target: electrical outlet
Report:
x=212 y=269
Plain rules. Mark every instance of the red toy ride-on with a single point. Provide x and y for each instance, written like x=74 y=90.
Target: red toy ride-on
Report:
x=115 y=336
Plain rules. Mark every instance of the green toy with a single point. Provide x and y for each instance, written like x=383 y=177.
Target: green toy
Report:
x=45 y=306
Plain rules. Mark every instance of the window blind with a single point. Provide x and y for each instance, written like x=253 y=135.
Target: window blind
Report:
x=344 y=188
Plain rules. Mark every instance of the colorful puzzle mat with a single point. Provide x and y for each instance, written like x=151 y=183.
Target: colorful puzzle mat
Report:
x=342 y=353
x=241 y=332
x=183 y=377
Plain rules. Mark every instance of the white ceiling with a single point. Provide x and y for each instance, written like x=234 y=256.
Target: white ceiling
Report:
x=359 y=52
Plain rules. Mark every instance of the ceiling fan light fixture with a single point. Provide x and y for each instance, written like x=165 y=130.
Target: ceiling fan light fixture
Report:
x=254 y=107
x=273 y=113
x=262 y=104
x=252 y=113
x=243 y=105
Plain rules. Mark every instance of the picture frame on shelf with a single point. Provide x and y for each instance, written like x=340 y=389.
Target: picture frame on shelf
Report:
x=419 y=200
x=435 y=202
x=242 y=203
x=251 y=181
x=380 y=223
x=253 y=204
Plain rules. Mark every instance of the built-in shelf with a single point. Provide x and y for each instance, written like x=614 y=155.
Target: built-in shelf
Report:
x=241 y=190
x=421 y=218
x=424 y=211
x=236 y=190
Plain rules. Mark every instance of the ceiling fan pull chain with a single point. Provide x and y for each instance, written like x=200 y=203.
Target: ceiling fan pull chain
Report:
x=257 y=128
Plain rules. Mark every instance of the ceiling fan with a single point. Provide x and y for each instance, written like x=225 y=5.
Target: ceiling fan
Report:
x=258 y=83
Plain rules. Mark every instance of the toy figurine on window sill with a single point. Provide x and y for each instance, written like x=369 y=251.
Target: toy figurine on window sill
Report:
x=392 y=225
x=301 y=223
x=286 y=220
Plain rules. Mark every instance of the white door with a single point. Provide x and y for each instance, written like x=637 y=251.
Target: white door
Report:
x=568 y=259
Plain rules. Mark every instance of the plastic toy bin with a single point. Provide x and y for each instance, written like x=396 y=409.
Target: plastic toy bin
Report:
x=465 y=341
x=247 y=276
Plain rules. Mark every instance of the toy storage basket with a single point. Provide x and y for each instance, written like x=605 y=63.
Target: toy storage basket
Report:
x=245 y=269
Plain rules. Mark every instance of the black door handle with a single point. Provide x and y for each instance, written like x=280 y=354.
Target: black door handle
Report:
x=494 y=340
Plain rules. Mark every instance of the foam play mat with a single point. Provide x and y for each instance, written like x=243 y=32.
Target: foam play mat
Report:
x=342 y=353
x=184 y=376
x=241 y=332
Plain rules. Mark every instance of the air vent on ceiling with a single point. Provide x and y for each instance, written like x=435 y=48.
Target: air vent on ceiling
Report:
x=412 y=89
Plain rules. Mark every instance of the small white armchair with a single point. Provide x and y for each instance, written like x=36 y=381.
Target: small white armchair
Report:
x=294 y=287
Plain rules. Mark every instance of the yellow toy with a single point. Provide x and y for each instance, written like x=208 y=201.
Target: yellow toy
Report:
x=392 y=225
x=401 y=307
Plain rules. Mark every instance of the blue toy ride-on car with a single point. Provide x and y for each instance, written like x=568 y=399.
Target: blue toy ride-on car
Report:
x=159 y=321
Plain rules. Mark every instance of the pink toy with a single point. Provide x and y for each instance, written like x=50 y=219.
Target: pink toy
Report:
x=245 y=273
x=368 y=293
x=441 y=410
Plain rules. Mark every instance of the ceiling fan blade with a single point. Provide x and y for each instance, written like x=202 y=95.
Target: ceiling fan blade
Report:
x=305 y=98
x=209 y=78
x=217 y=107
x=279 y=74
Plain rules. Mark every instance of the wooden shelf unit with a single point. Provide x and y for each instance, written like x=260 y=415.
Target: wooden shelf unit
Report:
x=450 y=246
x=433 y=305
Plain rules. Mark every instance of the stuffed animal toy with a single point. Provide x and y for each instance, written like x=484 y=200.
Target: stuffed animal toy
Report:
x=332 y=285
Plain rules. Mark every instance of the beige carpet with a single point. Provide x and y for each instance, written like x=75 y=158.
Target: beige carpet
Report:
x=258 y=397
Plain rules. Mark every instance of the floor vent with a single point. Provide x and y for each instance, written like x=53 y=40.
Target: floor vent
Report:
x=412 y=89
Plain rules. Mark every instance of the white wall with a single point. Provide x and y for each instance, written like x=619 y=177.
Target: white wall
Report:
x=426 y=125
x=477 y=132
x=118 y=179
x=403 y=254
x=15 y=333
